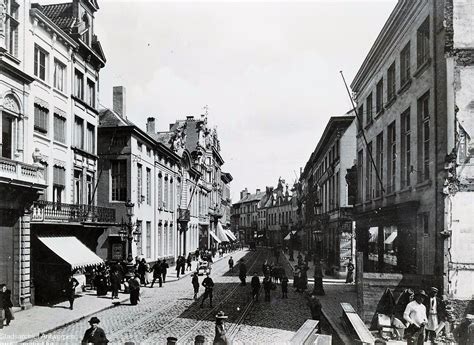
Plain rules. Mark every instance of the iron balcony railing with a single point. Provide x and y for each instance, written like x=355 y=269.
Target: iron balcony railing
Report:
x=47 y=211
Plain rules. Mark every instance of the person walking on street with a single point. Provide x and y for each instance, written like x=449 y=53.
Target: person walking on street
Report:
x=178 y=266
x=195 y=282
x=284 y=287
x=242 y=272
x=157 y=274
x=134 y=288
x=415 y=316
x=350 y=272
x=164 y=269
x=70 y=290
x=231 y=264
x=220 y=338
x=267 y=287
x=115 y=280
x=6 y=304
x=296 y=278
x=255 y=284
x=208 y=284
x=2 y=310
x=315 y=307
x=189 y=261
x=94 y=334
x=318 y=288
x=435 y=312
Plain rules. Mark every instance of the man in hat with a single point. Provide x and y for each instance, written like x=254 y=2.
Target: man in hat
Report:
x=465 y=332
x=70 y=290
x=436 y=313
x=220 y=338
x=415 y=316
x=242 y=272
x=255 y=284
x=94 y=334
x=208 y=284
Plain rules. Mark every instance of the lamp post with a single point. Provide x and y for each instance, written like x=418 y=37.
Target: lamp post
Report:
x=130 y=232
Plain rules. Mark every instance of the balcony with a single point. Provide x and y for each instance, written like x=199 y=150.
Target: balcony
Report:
x=47 y=211
x=21 y=174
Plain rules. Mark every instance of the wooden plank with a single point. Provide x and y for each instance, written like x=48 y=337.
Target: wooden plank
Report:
x=360 y=328
x=323 y=339
x=347 y=308
x=305 y=332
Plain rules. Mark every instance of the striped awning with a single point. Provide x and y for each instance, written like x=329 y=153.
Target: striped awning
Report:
x=230 y=234
x=221 y=233
x=214 y=236
x=71 y=250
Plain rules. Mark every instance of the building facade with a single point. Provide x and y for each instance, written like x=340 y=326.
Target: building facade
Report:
x=414 y=103
x=245 y=216
x=49 y=118
x=325 y=201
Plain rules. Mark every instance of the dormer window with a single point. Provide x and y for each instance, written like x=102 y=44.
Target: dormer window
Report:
x=87 y=32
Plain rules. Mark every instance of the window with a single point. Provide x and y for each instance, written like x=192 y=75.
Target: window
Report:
x=7 y=136
x=369 y=106
x=165 y=192
x=423 y=43
x=170 y=238
x=391 y=85
x=148 y=152
x=165 y=239
x=148 y=186
x=90 y=188
x=405 y=149
x=59 y=75
x=78 y=84
x=379 y=164
x=392 y=157
x=139 y=146
x=90 y=138
x=118 y=173
x=139 y=243
x=360 y=174
x=11 y=27
x=78 y=132
x=160 y=190
x=171 y=206
x=41 y=119
x=139 y=183
x=59 y=183
x=405 y=64
x=424 y=137
x=41 y=63
x=90 y=93
x=369 y=174
x=77 y=187
x=425 y=223
x=379 y=97
x=148 y=239
x=59 y=128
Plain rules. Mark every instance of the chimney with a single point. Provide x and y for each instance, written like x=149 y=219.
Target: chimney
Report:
x=257 y=191
x=119 y=99
x=243 y=193
x=150 y=125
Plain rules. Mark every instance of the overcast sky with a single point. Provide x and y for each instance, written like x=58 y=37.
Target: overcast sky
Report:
x=269 y=72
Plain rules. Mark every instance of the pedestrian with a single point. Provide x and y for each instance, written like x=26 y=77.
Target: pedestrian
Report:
x=284 y=287
x=178 y=266
x=94 y=334
x=415 y=316
x=2 y=310
x=70 y=290
x=296 y=278
x=350 y=272
x=465 y=332
x=242 y=272
x=195 y=282
x=304 y=278
x=267 y=287
x=318 y=279
x=208 y=284
x=196 y=254
x=221 y=252
x=115 y=280
x=157 y=274
x=189 y=260
x=435 y=312
x=164 y=269
x=265 y=268
x=142 y=270
x=101 y=283
x=231 y=264
x=220 y=338
x=134 y=288
x=315 y=307
x=255 y=284
x=6 y=296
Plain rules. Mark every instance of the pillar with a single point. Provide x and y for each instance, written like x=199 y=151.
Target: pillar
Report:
x=25 y=297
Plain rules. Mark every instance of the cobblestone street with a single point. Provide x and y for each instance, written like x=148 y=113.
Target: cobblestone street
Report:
x=171 y=311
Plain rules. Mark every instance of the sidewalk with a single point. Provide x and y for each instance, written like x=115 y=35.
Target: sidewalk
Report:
x=38 y=320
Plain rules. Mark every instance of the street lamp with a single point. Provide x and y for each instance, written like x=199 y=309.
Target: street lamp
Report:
x=130 y=232
x=318 y=237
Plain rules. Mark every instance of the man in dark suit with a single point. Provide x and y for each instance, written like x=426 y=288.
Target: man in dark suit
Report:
x=435 y=311
x=70 y=290
x=94 y=334
x=164 y=269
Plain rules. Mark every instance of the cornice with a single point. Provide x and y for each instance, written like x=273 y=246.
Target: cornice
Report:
x=36 y=13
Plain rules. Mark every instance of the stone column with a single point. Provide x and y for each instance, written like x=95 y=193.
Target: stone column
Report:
x=25 y=260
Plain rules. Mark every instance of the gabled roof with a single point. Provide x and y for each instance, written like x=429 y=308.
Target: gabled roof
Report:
x=109 y=118
x=251 y=197
x=61 y=15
